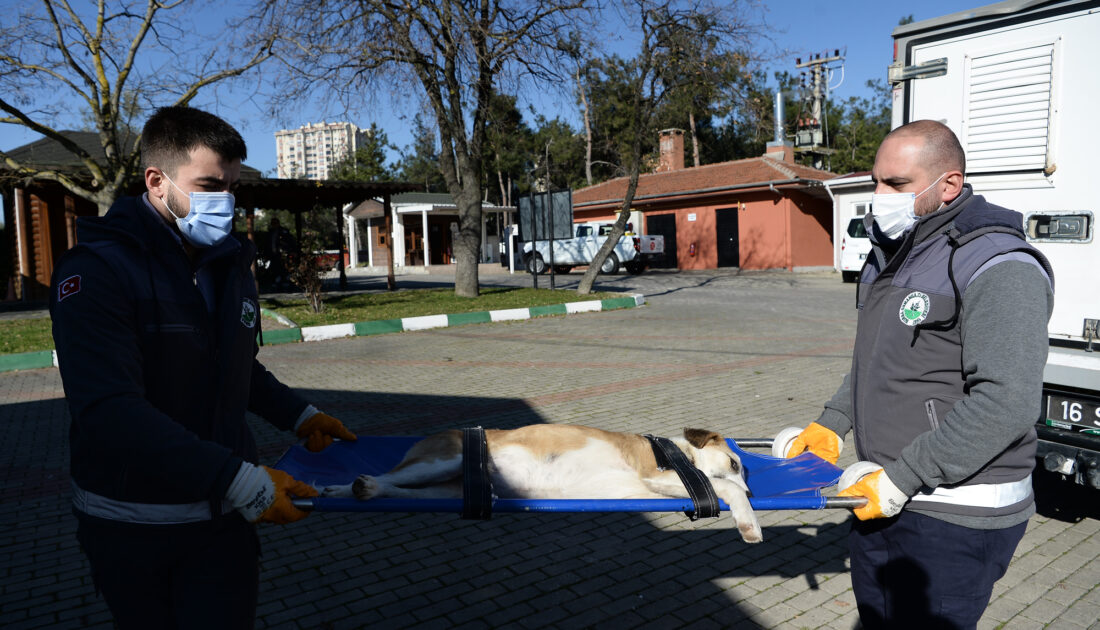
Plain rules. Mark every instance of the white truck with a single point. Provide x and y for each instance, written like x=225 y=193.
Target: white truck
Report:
x=632 y=251
x=1017 y=82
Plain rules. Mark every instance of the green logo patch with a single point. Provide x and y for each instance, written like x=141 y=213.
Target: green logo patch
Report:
x=248 y=314
x=914 y=308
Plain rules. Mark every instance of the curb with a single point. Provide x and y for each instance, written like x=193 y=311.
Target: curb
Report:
x=48 y=358
x=427 y=322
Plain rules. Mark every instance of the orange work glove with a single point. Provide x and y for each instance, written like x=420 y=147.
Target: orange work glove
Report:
x=884 y=499
x=282 y=510
x=817 y=440
x=319 y=430
x=263 y=494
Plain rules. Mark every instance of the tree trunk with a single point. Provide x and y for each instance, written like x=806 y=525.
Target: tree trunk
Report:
x=467 y=247
x=694 y=136
x=587 y=131
x=619 y=228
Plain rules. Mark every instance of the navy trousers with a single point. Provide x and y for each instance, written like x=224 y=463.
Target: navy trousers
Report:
x=914 y=571
x=203 y=576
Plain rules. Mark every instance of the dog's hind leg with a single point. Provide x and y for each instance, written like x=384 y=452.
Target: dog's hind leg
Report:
x=417 y=478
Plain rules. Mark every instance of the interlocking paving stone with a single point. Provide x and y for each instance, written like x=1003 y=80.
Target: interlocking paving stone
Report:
x=742 y=354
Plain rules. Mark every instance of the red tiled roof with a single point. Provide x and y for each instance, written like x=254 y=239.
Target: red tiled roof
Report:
x=707 y=178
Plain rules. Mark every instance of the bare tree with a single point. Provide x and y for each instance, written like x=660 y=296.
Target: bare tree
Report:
x=61 y=63
x=660 y=26
x=453 y=51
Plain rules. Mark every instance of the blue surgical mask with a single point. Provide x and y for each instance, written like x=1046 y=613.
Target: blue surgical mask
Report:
x=894 y=213
x=210 y=219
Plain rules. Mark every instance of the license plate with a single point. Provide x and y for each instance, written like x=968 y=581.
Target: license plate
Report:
x=1073 y=414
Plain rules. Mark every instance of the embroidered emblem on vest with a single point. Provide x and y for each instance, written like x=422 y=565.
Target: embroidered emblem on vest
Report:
x=248 y=314
x=914 y=308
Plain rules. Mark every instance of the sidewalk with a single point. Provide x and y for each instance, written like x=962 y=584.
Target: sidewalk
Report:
x=741 y=354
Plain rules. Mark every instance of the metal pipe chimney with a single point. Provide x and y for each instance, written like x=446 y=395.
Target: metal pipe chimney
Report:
x=779 y=122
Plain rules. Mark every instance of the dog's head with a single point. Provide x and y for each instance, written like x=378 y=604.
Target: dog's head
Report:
x=709 y=453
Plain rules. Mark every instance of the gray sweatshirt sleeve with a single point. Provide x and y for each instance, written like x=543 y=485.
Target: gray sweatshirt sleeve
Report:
x=1004 y=337
x=837 y=415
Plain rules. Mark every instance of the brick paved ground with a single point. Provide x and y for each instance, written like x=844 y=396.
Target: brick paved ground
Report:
x=745 y=355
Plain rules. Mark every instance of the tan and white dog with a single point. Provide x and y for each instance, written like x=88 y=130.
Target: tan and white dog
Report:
x=554 y=461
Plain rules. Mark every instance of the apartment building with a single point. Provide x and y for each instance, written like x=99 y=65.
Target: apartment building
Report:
x=310 y=151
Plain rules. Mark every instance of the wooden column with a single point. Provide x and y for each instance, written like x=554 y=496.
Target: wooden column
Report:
x=43 y=245
x=342 y=248
x=250 y=232
x=70 y=221
x=387 y=212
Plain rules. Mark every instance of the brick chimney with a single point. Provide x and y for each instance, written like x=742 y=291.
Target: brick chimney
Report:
x=782 y=151
x=672 y=150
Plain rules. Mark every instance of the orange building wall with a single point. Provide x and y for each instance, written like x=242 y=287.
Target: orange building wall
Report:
x=811 y=245
x=773 y=232
x=762 y=230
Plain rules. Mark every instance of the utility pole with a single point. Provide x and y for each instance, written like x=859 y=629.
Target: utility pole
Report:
x=811 y=133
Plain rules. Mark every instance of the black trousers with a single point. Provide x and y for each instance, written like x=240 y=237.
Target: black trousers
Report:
x=203 y=576
x=915 y=571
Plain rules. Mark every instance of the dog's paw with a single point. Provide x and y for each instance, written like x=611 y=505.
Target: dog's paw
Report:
x=750 y=532
x=366 y=487
x=339 y=492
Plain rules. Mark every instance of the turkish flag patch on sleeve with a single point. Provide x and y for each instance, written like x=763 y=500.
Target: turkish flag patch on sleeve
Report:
x=68 y=287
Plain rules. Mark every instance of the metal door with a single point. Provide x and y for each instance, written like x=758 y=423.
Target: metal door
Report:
x=725 y=226
x=665 y=225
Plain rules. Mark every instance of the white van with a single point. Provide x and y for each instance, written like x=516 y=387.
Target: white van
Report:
x=854 y=247
x=1011 y=80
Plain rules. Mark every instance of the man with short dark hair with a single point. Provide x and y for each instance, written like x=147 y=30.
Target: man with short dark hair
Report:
x=945 y=386
x=155 y=319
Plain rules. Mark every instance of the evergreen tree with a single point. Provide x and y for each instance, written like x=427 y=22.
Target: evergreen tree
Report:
x=420 y=161
x=368 y=162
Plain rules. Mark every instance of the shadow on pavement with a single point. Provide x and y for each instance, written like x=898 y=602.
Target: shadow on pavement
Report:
x=400 y=570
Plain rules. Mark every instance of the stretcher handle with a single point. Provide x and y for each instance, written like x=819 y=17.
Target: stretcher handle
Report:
x=850 y=503
x=754 y=442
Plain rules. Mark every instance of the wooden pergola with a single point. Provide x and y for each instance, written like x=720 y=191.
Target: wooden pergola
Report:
x=41 y=215
x=302 y=195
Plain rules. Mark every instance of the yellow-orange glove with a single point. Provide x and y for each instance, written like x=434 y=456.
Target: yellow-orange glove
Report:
x=814 y=438
x=263 y=494
x=868 y=479
x=319 y=430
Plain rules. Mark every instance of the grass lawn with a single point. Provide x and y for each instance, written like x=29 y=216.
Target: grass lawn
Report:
x=25 y=335
x=364 y=307
x=30 y=335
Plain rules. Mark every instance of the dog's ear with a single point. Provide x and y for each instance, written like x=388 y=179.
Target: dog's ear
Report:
x=700 y=437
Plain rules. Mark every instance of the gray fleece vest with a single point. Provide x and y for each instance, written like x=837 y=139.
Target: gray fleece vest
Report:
x=907 y=366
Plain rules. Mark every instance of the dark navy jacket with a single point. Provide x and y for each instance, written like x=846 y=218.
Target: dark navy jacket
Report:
x=158 y=385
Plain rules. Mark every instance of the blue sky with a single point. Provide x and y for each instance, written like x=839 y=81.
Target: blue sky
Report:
x=862 y=27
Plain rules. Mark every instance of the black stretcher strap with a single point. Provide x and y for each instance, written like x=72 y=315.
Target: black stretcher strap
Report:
x=698 y=485
x=477 y=490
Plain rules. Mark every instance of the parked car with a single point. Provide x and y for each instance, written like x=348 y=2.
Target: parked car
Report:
x=632 y=251
x=854 y=248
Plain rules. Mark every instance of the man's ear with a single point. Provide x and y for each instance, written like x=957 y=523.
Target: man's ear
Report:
x=953 y=185
x=155 y=182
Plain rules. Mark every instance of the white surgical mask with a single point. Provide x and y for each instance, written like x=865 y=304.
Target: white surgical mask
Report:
x=210 y=218
x=894 y=213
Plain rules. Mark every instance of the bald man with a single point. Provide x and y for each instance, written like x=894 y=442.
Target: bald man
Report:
x=944 y=390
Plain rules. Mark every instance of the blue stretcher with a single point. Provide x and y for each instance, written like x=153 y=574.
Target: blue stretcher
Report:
x=775 y=484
